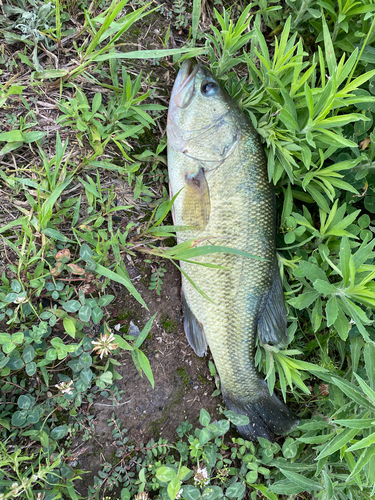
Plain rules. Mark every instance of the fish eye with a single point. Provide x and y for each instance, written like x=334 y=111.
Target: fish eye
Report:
x=208 y=88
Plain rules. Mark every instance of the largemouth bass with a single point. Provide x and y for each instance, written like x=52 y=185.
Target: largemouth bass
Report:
x=216 y=159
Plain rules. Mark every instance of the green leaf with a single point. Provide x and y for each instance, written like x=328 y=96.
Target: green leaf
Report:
x=190 y=492
x=30 y=368
x=324 y=288
x=304 y=300
x=85 y=252
x=97 y=315
x=341 y=324
x=13 y=136
x=183 y=472
x=369 y=355
x=142 y=336
x=338 y=442
x=59 y=432
x=212 y=492
x=353 y=392
x=204 y=436
x=363 y=459
x=85 y=360
x=50 y=73
x=145 y=366
x=302 y=481
x=25 y=402
x=86 y=376
x=107 y=377
x=363 y=443
x=345 y=256
x=332 y=310
x=355 y=423
x=173 y=488
x=236 y=418
x=28 y=354
x=235 y=490
x=69 y=326
x=19 y=418
x=265 y=491
x=366 y=389
x=105 y=300
x=71 y=306
x=165 y=474
x=84 y=313
x=56 y=235
x=15 y=363
x=312 y=271
x=204 y=417
x=122 y=280
x=123 y=344
x=5 y=423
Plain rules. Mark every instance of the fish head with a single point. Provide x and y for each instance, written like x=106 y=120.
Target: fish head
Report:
x=203 y=121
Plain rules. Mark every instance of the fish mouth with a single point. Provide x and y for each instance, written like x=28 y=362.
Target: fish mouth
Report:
x=184 y=87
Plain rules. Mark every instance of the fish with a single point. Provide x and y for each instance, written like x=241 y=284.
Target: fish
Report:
x=217 y=168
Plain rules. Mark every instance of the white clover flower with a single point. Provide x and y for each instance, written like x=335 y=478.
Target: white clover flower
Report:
x=65 y=387
x=201 y=476
x=105 y=344
x=179 y=494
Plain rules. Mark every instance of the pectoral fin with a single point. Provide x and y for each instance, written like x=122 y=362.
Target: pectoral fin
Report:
x=196 y=205
x=272 y=321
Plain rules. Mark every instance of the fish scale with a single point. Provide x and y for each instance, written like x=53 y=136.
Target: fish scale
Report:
x=215 y=157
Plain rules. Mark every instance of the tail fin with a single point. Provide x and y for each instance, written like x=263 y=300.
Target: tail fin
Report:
x=268 y=415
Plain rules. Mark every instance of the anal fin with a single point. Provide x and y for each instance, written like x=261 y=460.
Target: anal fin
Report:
x=194 y=330
x=272 y=321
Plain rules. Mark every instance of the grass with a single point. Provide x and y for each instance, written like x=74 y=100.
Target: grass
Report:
x=80 y=101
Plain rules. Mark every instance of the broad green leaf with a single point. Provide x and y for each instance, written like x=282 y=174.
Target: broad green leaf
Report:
x=369 y=355
x=338 y=442
x=331 y=310
x=363 y=443
x=28 y=354
x=312 y=271
x=356 y=423
x=144 y=332
x=56 y=235
x=204 y=436
x=204 y=418
x=341 y=323
x=71 y=306
x=236 y=490
x=173 y=488
x=145 y=366
x=366 y=389
x=165 y=474
x=324 y=288
x=304 y=300
x=59 y=432
x=353 y=392
x=236 y=418
x=120 y=278
x=69 y=326
x=302 y=481
x=122 y=343
x=363 y=459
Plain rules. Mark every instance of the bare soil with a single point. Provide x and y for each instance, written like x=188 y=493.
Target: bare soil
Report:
x=183 y=384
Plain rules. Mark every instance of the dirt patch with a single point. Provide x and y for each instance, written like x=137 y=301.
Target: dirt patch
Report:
x=183 y=384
